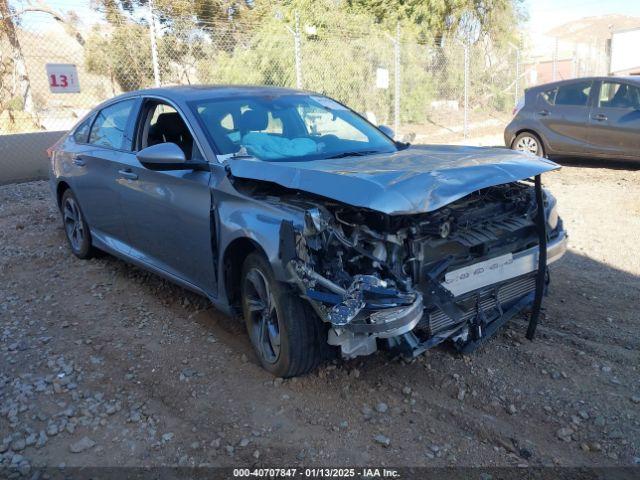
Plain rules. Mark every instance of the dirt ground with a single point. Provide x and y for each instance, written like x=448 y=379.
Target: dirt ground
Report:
x=102 y=364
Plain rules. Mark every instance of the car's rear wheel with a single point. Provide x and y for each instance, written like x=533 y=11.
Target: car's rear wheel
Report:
x=287 y=336
x=528 y=142
x=75 y=226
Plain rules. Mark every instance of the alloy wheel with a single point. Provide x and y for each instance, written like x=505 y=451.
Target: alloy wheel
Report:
x=73 y=224
x=265 y=329
x=528 y=144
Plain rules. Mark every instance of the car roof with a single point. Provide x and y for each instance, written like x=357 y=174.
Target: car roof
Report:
x=202 y=92
x=627 y=78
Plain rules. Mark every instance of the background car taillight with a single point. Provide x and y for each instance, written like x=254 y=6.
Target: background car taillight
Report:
x=518 y=106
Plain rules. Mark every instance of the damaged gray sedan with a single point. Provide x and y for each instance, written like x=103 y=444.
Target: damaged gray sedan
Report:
x=328 y=236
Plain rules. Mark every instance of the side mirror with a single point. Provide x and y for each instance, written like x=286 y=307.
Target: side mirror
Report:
x=388 y=131
x=166 y=156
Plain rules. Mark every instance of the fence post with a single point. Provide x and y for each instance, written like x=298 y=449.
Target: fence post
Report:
x=465 y=127
x=398 y=79
x=554 y=66
x=517 y=86
x=297 y=45
x=154 y=46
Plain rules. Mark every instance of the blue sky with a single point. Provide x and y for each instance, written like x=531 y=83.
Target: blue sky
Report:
x=543 y=14
x=546 y=14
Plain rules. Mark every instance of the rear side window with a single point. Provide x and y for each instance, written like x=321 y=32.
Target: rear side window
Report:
x=109 y=128
x=574 y=94
x=618 y=95
x=81 y=133
x=549 y=96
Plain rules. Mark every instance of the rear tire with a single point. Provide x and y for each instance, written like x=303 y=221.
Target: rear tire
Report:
x=75 y=226
x=528 y=142
x=287 y=335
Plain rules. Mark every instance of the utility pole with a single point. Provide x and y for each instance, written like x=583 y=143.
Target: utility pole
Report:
x=398 y=79
x=154 y=46
x=465 y=127
x=297 y=45
x=554 y=67
x=517 y=89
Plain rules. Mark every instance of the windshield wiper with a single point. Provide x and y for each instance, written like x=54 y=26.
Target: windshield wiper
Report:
x=359 y=153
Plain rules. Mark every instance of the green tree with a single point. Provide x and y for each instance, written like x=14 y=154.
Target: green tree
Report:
x=123 y=54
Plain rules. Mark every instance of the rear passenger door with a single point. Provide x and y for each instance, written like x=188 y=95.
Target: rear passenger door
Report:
x=614 y=123
x=564 y=113
x=97 y=158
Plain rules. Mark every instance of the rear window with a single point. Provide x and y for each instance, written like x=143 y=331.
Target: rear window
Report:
x=109 y=129
x=549 y=96
x=574 y=94
x=81 y=133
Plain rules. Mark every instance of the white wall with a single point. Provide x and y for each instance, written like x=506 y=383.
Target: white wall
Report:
x=625 y=50
x=23 y=156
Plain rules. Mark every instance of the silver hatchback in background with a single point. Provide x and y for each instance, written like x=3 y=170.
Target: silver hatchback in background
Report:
x=586 y=117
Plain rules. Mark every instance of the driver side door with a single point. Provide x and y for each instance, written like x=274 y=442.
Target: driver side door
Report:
x=168 y=213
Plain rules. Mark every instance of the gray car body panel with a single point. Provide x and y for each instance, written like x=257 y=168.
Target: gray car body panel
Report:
x=418 y=179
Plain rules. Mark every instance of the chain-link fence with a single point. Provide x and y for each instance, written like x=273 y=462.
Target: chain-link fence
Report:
x=55 y=68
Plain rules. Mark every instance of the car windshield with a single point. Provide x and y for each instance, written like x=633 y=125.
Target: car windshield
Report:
x=288 y=128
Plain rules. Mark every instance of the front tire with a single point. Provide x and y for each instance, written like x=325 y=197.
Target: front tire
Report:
x=287 y=336
x=529 y=143
x=75 y=226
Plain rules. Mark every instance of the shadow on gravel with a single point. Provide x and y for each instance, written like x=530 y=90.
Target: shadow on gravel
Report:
x=582 y=289
x=598 y=163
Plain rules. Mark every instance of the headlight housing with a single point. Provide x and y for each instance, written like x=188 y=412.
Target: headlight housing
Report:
x=552 y=219
x=552 y=211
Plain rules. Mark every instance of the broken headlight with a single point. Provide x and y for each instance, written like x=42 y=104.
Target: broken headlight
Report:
x=552 y=217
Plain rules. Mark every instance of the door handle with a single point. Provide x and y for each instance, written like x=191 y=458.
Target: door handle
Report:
x=543 y=113
x=79 y=161
x=127 y=173
x=601 y=117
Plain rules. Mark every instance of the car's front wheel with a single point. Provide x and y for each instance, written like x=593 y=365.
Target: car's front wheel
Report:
x=287 y=336
x=528 y=142
x=75 y=226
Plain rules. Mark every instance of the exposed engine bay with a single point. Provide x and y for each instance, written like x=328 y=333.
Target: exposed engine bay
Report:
x=409 y=282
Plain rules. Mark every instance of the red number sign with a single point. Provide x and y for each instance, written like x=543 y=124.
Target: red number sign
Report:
x=63 y=78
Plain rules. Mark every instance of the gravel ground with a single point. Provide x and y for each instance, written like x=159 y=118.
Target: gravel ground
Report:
x=102 y=364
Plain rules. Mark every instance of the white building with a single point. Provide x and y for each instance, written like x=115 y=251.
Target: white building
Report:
x=625 y=54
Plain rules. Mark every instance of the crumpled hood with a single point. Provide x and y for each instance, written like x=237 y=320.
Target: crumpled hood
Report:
x=416 y=180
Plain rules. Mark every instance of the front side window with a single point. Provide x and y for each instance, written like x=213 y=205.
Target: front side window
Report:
x=288 y=128
x=618 y=95
x=163 y=124
x=109 y=128
x=574 y=94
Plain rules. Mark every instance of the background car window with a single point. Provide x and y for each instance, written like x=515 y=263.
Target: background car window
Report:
x=549 y=96
x=110 y=126
x=81 y=133
x=576 y=94
x=619 y=95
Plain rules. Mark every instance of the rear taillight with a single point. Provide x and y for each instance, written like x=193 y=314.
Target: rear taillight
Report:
x=518 y=106
x=51 y=150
